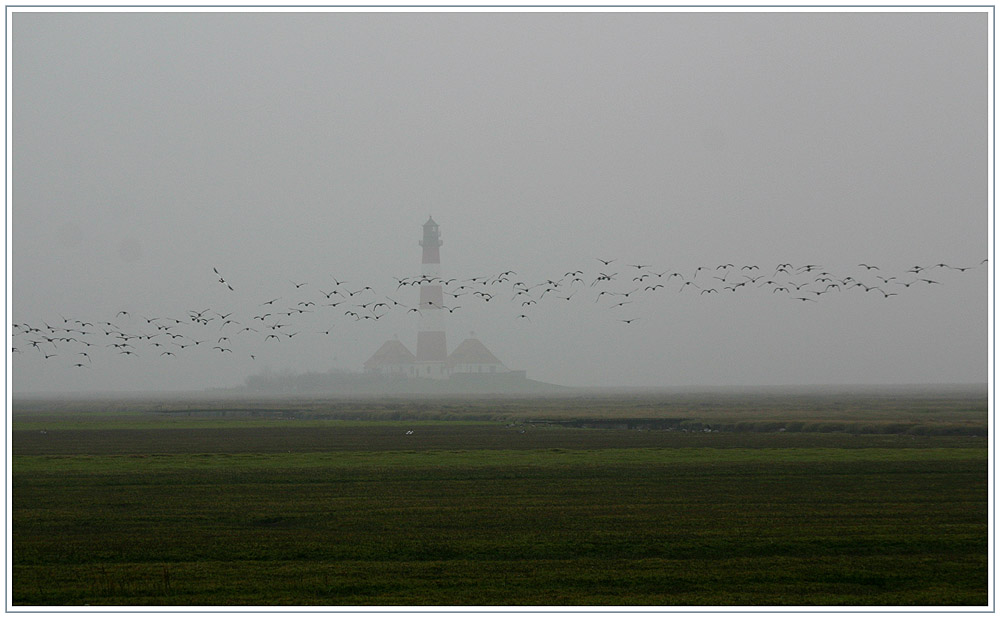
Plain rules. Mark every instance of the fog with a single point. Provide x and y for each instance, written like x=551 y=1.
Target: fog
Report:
x=155 y=153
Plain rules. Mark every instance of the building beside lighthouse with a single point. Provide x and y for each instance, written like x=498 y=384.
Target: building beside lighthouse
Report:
x=470 y=358
x=392 y=359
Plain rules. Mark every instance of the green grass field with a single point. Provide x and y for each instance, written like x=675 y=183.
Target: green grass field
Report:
x=134 y=506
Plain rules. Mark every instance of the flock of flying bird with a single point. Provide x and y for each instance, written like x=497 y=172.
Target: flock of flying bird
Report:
x=617 y=287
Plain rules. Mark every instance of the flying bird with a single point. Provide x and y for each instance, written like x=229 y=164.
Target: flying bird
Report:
x=222 y=279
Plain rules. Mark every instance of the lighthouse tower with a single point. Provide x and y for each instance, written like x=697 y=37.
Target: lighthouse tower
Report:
x=432 y=353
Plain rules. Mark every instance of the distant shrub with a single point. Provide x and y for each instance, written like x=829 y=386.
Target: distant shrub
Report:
x=942 y=429
x=824 y=426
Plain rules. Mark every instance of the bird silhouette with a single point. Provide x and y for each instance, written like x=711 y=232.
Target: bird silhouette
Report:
x=70 y=334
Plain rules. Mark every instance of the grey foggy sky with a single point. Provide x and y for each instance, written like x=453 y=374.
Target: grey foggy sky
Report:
x=148 y=148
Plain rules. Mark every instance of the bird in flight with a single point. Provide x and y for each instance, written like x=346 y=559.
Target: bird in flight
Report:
x=222 y=279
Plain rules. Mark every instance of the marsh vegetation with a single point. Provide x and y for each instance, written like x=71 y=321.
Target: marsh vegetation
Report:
x=871 y=500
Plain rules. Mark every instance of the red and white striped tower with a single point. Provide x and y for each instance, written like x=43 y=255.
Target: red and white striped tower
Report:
x=432 y=352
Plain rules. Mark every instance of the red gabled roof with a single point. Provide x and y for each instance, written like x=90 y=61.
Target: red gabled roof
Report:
x=392 y=352
x=472 y=351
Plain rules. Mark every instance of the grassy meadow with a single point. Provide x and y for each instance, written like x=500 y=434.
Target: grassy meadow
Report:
x=758 y=499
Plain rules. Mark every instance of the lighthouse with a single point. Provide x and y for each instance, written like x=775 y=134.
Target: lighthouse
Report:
x=432 y=352
x=469 y=364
